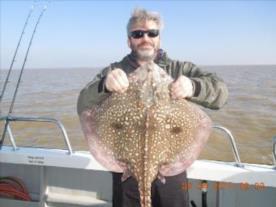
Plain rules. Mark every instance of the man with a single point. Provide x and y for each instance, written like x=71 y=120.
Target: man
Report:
x=191 y=83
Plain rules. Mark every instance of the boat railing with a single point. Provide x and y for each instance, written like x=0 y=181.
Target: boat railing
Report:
x=227 y=132
x=58 y=123
x=274 y=150
x=231 y=138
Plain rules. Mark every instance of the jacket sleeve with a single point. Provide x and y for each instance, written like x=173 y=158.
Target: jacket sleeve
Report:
x=209 y=90
x=94 y=92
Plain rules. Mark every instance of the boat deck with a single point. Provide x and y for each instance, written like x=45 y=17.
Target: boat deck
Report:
x=56 y=178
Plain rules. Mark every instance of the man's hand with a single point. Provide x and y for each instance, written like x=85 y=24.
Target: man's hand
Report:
x=181 y=88
x=116 y=81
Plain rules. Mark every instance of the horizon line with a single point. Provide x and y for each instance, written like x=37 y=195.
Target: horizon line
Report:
x=99 y=67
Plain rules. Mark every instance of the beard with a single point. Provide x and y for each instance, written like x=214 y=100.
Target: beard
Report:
x=145 y=54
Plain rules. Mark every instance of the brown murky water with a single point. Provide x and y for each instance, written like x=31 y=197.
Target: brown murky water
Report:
x=250 y=113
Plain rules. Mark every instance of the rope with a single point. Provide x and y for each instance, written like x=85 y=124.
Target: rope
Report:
x=13 y=187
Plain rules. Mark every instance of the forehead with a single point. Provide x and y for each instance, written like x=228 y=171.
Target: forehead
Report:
x=148 y=24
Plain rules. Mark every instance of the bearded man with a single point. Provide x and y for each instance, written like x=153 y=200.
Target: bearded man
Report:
x=190 y=82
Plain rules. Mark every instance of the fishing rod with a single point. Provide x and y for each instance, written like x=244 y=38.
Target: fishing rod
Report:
x=25 y=60
x=15 y=52
x=20 y=76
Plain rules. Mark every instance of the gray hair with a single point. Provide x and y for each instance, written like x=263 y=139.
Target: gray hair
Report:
x=141 y=15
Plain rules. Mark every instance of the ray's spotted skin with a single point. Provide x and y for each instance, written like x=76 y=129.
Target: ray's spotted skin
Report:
x=143 y=132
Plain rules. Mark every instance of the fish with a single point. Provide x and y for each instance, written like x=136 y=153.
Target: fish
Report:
x=145 y=133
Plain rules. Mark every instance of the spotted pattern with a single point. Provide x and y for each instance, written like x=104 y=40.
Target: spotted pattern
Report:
x=145 y=129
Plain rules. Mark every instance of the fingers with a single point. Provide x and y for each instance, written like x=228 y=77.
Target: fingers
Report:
x=116 y=81
x=177 y=91
x=181 y=88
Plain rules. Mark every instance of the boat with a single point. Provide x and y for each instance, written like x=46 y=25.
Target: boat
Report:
x=69 y=178
x=64 y=177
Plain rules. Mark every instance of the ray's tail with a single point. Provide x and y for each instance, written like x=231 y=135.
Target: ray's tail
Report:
x=145 y=193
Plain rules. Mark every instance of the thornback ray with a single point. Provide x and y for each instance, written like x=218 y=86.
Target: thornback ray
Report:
x=143 y=132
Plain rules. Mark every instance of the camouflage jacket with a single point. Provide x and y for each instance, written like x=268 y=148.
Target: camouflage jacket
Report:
x=209 y=90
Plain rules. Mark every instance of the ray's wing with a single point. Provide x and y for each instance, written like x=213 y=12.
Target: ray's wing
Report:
x=114 y=130
x=187 y=129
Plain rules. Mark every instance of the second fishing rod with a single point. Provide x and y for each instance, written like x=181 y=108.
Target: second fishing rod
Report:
x=8 y=118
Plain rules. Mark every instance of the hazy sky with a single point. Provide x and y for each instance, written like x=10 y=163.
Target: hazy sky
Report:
x=93 y=33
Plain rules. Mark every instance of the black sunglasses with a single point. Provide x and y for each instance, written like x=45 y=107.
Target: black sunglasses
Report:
x=136 y=34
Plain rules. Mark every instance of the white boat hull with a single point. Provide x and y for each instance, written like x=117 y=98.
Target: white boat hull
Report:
x=55 y=178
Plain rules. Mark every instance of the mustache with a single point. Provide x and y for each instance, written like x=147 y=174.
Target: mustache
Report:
x=145 y=44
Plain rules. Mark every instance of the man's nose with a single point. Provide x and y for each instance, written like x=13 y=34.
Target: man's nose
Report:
x=146 y=37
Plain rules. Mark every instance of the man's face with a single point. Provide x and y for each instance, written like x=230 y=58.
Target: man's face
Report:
x=145 y=47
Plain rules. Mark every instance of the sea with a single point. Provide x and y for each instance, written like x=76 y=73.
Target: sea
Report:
x=250 y=113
